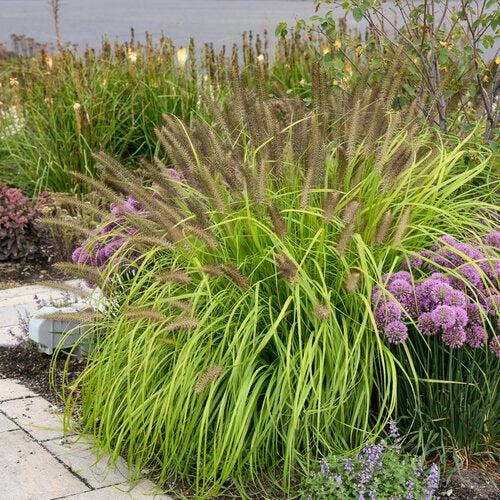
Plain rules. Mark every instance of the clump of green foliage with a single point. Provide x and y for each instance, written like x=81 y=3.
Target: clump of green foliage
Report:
x=379 y=470
x=238 y=338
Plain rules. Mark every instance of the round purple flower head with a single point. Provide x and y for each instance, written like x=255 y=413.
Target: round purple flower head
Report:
x=454 y=337
x=495 y=346
x=426 y=324
x=396 y=332
x=475 y=336
x=386 y=313
x=493 y=240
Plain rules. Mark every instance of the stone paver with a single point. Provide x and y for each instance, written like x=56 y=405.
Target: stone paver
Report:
x=80 y=457
x=6 y=338
x=29 y=472
x=142 y=490
x=36 y=463
x=36 y=416
x=10 y=389
x=6 y=424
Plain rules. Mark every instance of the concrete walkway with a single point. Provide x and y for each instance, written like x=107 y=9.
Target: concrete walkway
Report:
x=36 y=461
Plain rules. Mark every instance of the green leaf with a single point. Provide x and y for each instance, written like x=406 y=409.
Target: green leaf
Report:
x=281 y=30
x=357 y=14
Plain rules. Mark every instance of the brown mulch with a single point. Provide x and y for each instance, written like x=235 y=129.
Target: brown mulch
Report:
x=470 y=484
x=32 y=368
x=28 y=273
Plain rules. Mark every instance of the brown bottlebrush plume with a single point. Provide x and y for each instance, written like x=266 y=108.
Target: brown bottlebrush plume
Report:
x=330 y=204
x=182 y=324
x=203 y=235
x=73 y=290
x=210 y=375
x=277 y=220
x=174 y=276
x=350 y=212
x=181 y=305
x=71 y=225
x=383 y=228
x=148 y=313
x=315 y=173
x=345 y=238
x=286 y=267
x=352 y=281
x=80 y=271
x=83 y=317
x=99 y=187
x=144 y=241
x=228 y=270
x=322 y=311
x=84 y=206
x=402 y=226
x=354 y=129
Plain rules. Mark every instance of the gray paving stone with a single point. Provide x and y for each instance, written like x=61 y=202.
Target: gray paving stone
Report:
x=142 y=490
x=29 y=472
x=36 y=416
x=10 y=389
x=80 y=457
x=6 y=424
x=6 y=338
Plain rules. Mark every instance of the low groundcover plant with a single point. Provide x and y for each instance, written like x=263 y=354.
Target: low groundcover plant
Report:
x=238 y=339
x=379 y=471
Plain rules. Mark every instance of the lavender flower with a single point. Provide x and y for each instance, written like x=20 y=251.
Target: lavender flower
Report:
x=432 y=482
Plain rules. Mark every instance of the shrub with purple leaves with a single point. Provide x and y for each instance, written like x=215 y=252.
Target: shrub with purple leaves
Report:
x=16 y=216
x=378 y=471
x=451 y=290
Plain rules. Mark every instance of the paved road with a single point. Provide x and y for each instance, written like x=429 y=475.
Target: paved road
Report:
x=85 y=21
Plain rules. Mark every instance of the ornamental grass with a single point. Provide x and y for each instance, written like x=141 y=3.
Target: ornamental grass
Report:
x=237 y=343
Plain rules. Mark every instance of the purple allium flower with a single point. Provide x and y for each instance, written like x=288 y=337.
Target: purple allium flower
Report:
x=458 y=299
x=493 y=240
x=493 y=304
x=448 y=317
x=396 y=332
x=474 y=314
x=403 y=292
x=426 y=324
x=386 y=313
x=454 y=337
x=495 y=345
x=376 y=293
x=475 y=336
x=471 y=274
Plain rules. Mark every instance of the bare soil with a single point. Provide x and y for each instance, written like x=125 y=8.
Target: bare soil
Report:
x=32 y=368
x=28 y=273
x=470 y=484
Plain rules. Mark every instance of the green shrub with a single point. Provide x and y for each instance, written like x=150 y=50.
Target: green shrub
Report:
x=241 y=341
